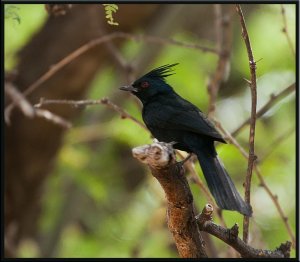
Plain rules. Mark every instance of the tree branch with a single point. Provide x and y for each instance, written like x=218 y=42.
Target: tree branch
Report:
x=29 y=111
x=180 y=209
x=285 y=30
x=83 y=103
x=230 y=237
x=272 y=101
x=252 y=156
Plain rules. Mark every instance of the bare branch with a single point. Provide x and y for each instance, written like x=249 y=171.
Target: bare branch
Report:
x=252 y=157
x=19 y=100
x=88 y=102
x=230 y=237
x=180 y=209
x=29 y=111
x=273 y=100
x=46 y=114
x=285 y=30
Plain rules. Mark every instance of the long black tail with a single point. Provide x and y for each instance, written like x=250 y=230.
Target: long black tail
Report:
x=221 y=185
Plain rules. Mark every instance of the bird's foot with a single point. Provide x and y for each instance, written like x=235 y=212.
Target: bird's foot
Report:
x=185 y=160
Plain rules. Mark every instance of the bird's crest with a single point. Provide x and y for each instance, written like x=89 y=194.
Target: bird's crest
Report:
x=162 y=71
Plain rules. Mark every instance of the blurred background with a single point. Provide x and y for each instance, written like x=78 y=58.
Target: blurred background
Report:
x=78 y=192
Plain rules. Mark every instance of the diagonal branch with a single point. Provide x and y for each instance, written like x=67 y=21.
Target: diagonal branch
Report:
x=273 y=100
x=252 y=157
x=230 y=237
x=29 y=111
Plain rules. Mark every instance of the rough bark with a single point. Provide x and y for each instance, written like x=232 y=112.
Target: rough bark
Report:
x=180 y=209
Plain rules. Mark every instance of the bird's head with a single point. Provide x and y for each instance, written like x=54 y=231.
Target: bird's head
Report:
x=152 y=83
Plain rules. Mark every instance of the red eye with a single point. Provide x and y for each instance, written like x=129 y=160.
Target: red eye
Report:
x=145 y=84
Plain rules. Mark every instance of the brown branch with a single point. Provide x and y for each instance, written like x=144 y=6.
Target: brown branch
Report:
x=262 y=182
x=29 y=111
x=252 y=157
x=17 y=97
x=180 y=209
x=285 y=30
x=84 y=48
x=55 y=119
x=230 y=237
x=224 y=40
x=88 y=102
x=273 y=100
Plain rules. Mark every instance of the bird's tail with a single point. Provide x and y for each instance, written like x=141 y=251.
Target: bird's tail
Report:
x=221 y=185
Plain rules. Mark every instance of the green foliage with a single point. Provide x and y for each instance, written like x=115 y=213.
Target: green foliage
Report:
x=17 y=34
x=11 y=12
x=109 y=10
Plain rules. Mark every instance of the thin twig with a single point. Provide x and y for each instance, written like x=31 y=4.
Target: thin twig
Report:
x=273 y=99
x=230 y=236
x=224 y=38
x=252 y=157
x=88 y=102
x=262 y=182
x=285 y=30
x=84 y=48
x=55 y=119
x=29 y=111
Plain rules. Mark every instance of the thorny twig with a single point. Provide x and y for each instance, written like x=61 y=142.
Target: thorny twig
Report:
x=84 y=48
x=262 y=182
x=273 y=99
x=230 y=236
x=252 y=157
x=285 y=30
x=79 y=103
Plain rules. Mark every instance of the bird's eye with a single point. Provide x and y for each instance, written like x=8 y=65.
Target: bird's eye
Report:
x=145 y=84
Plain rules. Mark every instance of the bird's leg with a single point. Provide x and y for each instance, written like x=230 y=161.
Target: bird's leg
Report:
x=186 y=159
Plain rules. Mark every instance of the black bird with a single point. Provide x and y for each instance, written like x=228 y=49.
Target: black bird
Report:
x=170 y=118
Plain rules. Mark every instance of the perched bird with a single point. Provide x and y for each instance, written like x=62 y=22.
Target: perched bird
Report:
x=170 y=118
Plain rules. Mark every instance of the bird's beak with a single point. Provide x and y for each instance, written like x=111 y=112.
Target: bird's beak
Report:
x=128 y=88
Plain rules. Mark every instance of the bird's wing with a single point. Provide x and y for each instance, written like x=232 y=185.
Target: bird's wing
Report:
x=180 y=115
